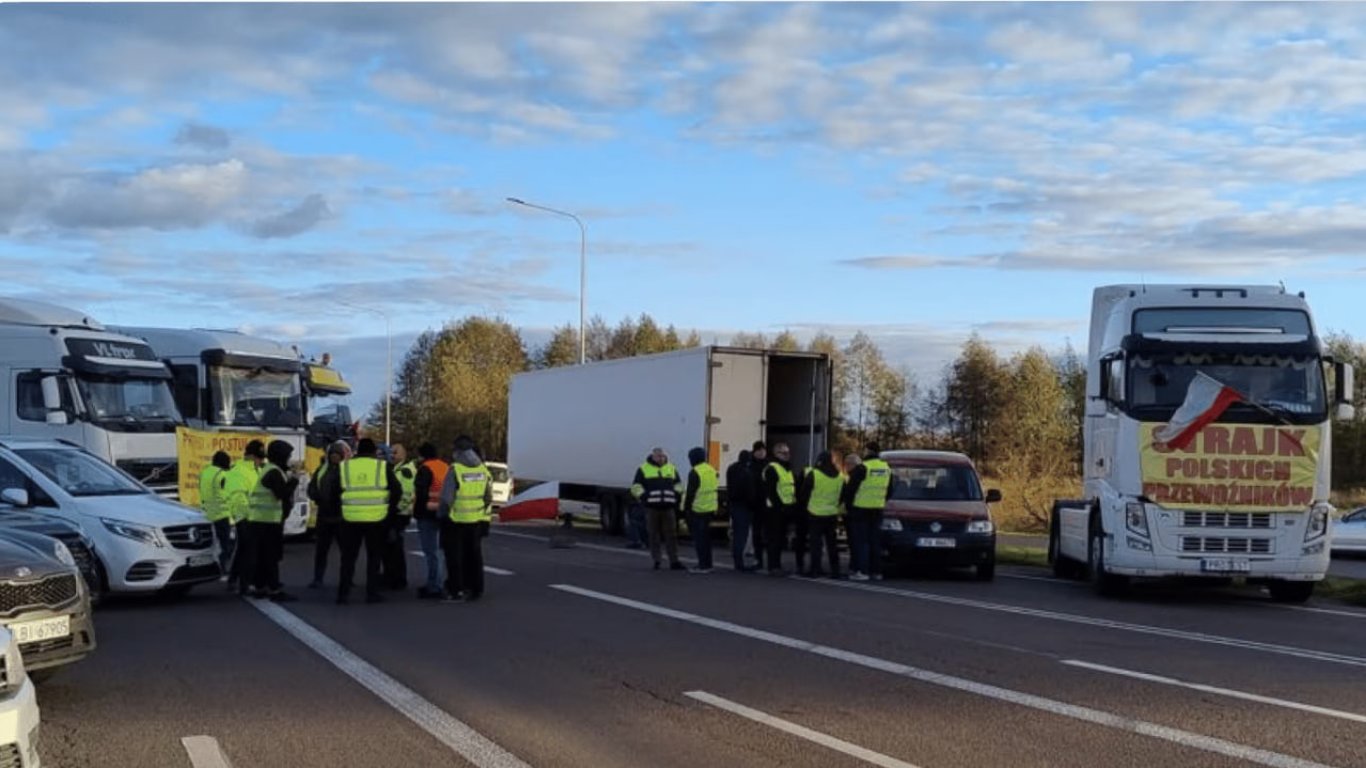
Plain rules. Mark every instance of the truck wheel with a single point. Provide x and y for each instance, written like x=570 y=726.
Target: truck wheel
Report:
x=1063 y=567
x=1105 y=584
x=607 y=508
x=1290 y=591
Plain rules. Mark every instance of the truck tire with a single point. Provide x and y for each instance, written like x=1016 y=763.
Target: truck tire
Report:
x=607 y=513
x=1063 y=567
x=1290 y=591
x=1105 y=584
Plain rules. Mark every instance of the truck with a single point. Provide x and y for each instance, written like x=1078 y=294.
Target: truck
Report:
x=64 y=376
x=328 y=402
x=1207 y=441
x=588 y=427
x=226 y=381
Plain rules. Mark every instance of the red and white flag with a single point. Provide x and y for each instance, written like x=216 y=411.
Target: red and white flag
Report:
x=1206 y=399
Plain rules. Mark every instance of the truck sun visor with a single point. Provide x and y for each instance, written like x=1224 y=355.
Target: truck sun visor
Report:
x=113 y=358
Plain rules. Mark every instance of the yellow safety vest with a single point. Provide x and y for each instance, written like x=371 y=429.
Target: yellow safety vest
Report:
x=365 y=490
x=657 y=489
x=238 y=483
x=262 y=506
x=872 y=493
x=211 y=502
x=407 y=480
x=471 y=487
x=787 y=485
x=825 y=493
x=708 y=484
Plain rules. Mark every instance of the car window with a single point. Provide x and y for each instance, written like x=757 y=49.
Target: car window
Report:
x=935 y=483
x=12 y=477
x=78 y=473
x=1355 y=516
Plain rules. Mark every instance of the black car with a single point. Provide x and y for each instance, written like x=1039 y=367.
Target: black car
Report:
x=13 y=518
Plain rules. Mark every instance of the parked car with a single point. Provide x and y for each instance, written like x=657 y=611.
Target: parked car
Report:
x=938 y=514
x=1349 y=533
x=142 y=541
x=18 y=708
x=44 y=602
x=502 y=482
x=12 y=517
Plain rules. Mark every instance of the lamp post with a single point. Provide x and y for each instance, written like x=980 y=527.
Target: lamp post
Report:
x=389 y=369
x=583 y=267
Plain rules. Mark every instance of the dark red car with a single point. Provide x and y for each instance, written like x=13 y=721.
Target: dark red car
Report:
x=938 y=513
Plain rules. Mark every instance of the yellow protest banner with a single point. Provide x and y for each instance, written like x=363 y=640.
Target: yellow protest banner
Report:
x=195 y=450
x=1235 y=467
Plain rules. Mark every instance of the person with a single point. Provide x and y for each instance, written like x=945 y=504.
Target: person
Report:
x=369 y=494
x=431 y=477
x=740 y=502
x=700 y=502
x=238 y=485
x=758 y=463
x=214 y=506
x=268 y=504
x=395 y=565
x=821 y=489
x=780 y=490
x=328 y=525
x=865 y=496
x=656 y=487
x=466 y=496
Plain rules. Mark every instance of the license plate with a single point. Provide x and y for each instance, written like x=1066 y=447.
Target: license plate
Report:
x=43 y=629
x=1225 y=565
x=936 y=543
x=891 y=525
x=195 y=561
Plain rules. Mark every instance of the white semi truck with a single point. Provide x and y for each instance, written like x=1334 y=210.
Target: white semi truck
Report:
x=64 y=376
x=589 y=427
x=1207 y=440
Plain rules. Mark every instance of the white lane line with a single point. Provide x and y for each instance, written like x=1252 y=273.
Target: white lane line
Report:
x=462 y=739
x=1022 y=577
x=1329 y=611
x=1122 y=626
x=204 y=752
x=839 y=745
x=1310 y=708
x=498 y=571
x=1007 y=695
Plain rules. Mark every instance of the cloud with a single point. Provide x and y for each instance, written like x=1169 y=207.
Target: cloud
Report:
x=917 y=262
x=183 y=196
x=310 y=212
x=202 y=136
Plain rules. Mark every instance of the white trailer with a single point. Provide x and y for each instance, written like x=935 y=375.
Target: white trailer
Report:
x=589 y=427
x=64 y=376
x=1207 y=440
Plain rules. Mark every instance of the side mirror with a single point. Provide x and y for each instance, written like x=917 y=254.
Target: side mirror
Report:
x=52 y=401
x=1345 y=412
x=993 y=496
x=1344 y=383
x=15 y=496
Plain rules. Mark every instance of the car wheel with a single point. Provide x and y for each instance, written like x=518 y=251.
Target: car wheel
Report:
x=986 y=571
x=1105 y=584
x=1290 y=591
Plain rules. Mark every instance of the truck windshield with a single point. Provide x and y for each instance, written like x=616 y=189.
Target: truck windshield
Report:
x=255 y=397
x=79 y=473
x=935 y=483
x=1289 y=386
x=134 y=405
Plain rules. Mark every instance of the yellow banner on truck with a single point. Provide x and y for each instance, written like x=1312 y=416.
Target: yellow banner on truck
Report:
x=1233 y=467
x=195 y=450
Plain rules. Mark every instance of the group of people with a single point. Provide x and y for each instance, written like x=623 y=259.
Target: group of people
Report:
x=773 y=508
x=366 y=500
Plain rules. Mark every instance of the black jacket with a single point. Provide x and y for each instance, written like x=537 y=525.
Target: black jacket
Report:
x=740 y=484
x=282 y=485
x=422 y=493
x=771 y=484
x=329 y=505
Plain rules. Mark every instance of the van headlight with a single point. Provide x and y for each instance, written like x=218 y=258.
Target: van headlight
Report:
x=63 y=554
x=1317 y=525
x=981 y=526
x=140 y=533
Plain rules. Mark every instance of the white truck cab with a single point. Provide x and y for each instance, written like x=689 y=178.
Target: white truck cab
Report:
x=64 y=376
x=1207 y=440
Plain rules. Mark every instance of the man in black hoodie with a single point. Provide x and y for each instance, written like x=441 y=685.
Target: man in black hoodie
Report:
x=270 y=537
x=820 y=492
x=759 y=498
x=700 y=503
x=740 y=502
x=780 y=489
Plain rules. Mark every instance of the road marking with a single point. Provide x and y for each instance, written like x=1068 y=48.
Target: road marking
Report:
x=1219 y=691
x=1022 y=577
x=1007 y=695
x=498 y=571
x=613 y=550
x=1329 y=611
x=1122 y=626
x=462 y=739
x=839 y=745
x=204 y=752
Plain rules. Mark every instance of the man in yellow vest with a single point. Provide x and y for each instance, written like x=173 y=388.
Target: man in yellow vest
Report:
x=395 y=566
x=267 y=505
x=656 y=487
x=865 y=496
x=700 y=502
x=369 y=494
x=328 y=525
x=780 y=489
x=214 y=506
x=466 y=496
x=821 y=490
x=238 y=484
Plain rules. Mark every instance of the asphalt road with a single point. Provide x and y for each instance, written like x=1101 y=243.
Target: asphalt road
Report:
x=586 y=657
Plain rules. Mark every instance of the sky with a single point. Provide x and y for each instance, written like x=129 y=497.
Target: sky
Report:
x=917 y=171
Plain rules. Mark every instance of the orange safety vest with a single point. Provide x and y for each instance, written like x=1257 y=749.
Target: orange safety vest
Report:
x=439 y=469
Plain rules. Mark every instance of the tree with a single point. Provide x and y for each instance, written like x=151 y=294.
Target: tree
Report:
x=825 y=344
x=894 y=398
x=869 y=384
x=974 y=397
x=1032 y=438
x=562 y=349
x=785 y=342
x=748 y=340
x=1072 y=377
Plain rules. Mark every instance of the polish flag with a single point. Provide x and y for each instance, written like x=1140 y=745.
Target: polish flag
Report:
x=1206 y=399
x=539 y=502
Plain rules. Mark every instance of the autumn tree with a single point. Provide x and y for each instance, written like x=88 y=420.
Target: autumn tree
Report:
x=973 y=396
x=1031 y=440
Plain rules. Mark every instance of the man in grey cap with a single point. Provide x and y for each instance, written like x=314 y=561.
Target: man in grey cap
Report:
x=466 y=496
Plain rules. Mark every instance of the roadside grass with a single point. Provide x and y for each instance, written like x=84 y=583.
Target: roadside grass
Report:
x=1350 y=591
x=1017 y=555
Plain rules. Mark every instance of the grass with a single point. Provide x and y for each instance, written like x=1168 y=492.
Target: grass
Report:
x=1350 y=591
x=1015 y=555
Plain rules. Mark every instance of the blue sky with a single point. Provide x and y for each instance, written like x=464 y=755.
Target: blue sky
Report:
x=917 y=171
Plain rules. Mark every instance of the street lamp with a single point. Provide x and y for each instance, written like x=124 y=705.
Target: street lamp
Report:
x=389 y=376
x=583 y=267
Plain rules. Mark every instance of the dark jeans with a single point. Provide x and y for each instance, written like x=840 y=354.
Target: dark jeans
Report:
x=865 y=540
x=429 y=533
x=780 y=523
x=822 y=529
x=700 y=528
x=352 y=535
x=325 y=533
x=758 y=528
x=663 y=525
x=227 y=542
x=741 y=518
x=268 y=547
x=637 y=532
x=396 y=554
x=464 y=558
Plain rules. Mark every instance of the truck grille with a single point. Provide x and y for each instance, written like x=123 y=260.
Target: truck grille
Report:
x=1226 y=519
x=197 y=536
x=11 y=757
x=1218 y=545
x=52 y=592
x=160 y=476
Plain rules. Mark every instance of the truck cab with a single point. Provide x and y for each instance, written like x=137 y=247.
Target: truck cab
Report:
x=64 y=376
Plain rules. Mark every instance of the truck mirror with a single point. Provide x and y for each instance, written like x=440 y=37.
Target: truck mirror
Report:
x=1097 y=406
x=1346 y=412
x=52 y=400
x=1344 y=384
x=15 y=496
